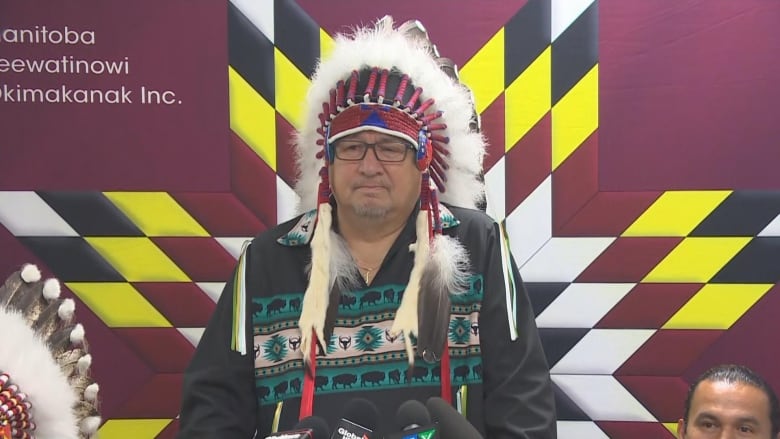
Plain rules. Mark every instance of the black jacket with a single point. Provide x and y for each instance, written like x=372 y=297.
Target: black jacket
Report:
x=227 y=395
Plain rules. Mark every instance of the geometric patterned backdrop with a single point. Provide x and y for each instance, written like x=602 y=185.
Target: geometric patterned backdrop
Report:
x=637 y=287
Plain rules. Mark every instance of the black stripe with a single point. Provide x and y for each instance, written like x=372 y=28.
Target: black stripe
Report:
x=90 y=213
x=743 y=213
x=756 y=263
x=566 y=409
x=72 y=259
x=575 y=52
x=558 y=342
x=542 y=294
x=251 y=54
x=526 y=36
x=297 y=35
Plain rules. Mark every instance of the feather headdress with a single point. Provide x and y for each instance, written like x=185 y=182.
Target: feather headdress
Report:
x=45 y=387
x=391 y=79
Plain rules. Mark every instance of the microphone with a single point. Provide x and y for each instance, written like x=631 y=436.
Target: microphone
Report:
x=412 y=421
x=411 y=414
x=310 y=427
x=359 y=420
x=452 y=425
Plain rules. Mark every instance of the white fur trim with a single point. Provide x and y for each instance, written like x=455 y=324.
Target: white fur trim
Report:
x=51 y=289
x=30 y=273
x=316 y=297
x=28 y=361
x=385 y=47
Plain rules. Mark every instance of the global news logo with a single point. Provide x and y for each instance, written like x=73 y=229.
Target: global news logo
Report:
x=346 y=434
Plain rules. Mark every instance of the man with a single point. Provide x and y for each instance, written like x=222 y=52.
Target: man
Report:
x=378 y=290
x=730 y=401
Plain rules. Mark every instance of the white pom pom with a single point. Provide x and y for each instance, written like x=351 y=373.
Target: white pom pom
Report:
x=66 y=309
x=84 y=363
x=77 y=335
x=90 y=425
x=30 y=273
x=51 y=289
x=91 y=392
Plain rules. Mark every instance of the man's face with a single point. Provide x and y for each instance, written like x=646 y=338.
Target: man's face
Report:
x=727 y=410
x=370 y=188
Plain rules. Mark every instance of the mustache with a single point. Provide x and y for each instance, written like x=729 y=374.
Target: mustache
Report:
x=371 y=183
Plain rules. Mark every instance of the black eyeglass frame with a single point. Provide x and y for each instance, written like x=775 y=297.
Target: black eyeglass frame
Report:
x=366 y=145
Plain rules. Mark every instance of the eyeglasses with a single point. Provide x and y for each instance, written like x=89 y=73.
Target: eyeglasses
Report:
x=391 y=151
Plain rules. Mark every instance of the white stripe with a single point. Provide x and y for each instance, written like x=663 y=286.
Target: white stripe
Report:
x=24 y=213
x=530 y=225
x=212 y=289
x=582 y=305
x=511 y=300
x=260 y=13
x=772 y=229
x=579 y=430
x=602 y=351
x=602 y=398
x=192 y=335
x=495 y=186
x=233 y=244
x=242 y=302
x=286 y=201
x=563 y=259
x=564 y=13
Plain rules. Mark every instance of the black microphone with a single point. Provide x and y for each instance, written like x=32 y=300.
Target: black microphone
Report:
x=311 y=427
x=452 y=425
x=359 y=420
x=412 y=421
x=411 y=414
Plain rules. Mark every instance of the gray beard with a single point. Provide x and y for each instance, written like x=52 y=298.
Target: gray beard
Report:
x=370 y=212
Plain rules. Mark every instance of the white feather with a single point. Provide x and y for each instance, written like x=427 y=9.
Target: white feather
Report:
x=342 y=266
x=66 y=309
x=91 y=392
x=84 y=363
x=30 y=273
x=452 y=262
x=27 y=359
x=51 y=289
x=90 y=424
x=77 y=334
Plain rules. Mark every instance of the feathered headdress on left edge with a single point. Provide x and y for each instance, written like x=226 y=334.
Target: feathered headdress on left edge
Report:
x=45 y=387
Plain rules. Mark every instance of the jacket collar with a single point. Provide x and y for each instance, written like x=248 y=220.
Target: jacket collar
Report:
x=301 y=233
